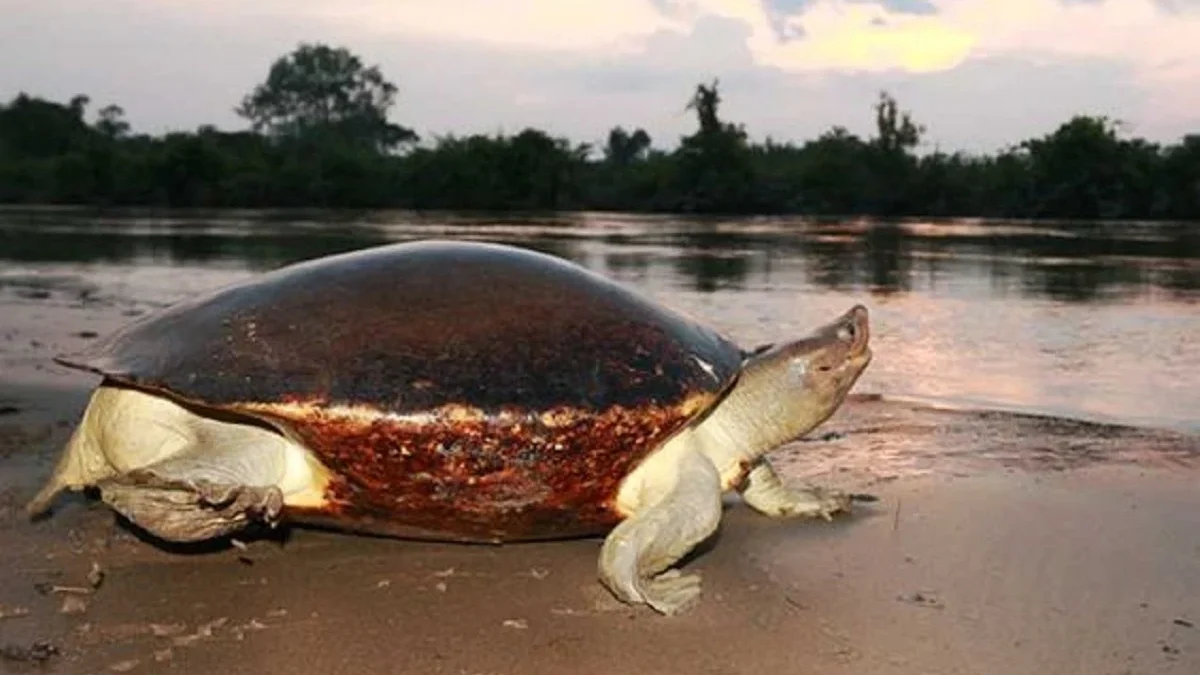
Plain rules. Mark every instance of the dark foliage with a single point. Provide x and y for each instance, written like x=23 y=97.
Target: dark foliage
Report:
x=321 y=137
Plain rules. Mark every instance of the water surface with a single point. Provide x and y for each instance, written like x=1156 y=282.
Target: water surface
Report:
x=1088 y=320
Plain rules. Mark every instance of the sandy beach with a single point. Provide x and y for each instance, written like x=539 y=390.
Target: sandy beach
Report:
x=1000 y=543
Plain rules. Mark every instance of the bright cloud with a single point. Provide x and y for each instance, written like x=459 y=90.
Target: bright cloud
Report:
x=1159 y=41
x=840 y=35
x=817 y=36
x=862 y=37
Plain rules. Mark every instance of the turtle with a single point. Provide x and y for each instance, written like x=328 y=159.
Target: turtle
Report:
x=452 y=390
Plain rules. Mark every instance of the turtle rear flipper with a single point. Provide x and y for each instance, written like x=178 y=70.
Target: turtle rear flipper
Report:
x=189 y=510
x=122 y=429
x=178 y=473
x=227 y=478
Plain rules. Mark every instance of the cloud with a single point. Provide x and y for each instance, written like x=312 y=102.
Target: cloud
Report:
x=979 y=73
x=519 y=24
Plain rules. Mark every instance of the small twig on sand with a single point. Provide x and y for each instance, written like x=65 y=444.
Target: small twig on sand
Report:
x=80 y=590
x=896 y=516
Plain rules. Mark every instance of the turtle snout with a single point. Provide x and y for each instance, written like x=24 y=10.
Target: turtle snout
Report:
x=855 y=330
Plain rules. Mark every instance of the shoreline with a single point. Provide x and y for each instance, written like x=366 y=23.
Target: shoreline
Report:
x=989 y=551
x=1002 y=542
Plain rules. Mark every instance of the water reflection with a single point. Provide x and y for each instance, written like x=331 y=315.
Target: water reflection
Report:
x=1081 y=319
x=1072 y=262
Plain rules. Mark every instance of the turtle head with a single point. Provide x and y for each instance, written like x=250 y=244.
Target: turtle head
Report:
x=813 y=374
x=788 y=389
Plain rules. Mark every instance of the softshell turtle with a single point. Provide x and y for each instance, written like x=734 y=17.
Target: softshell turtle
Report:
x=457 y=391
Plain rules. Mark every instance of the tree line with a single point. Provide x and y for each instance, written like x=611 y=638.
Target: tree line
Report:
x=320 y=135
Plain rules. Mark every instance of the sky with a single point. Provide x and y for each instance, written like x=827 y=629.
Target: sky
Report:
x=979 y=74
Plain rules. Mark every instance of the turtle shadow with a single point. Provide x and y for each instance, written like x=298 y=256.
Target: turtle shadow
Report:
x=737 y=516
x=279 y=535
x=252 y=533
x=89 y=499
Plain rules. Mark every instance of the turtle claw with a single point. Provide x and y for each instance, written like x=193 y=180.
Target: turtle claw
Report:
x=190 y=510
x=810 y=502
x=672 y=592
x=263 y=504
x=820 y=502
x=765 y=492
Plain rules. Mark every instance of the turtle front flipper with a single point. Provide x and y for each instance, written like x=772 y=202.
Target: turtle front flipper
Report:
x=682 y=508
x=170 y=503
x=765 y=492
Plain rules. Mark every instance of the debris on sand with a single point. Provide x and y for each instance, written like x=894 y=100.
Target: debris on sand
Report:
x=124 y=666
x=520 y=624
x=167 y=629
x=239 y=632
x=9 y=410
x=826 y=437
x=38 y=652
x=71 y=590
x=95 y=576
x=204 y=631
x=1183 y=622
x=55 y=589
x=13 y=612
x=922 y=600
x=73 y=605
x=72 y=602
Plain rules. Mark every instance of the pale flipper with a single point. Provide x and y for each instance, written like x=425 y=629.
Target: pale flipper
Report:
x=681 y=509
x=180 y=475
x=210 y=491
x=765 y=492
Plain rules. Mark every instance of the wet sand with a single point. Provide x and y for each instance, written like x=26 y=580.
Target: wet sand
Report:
x=1001 y=544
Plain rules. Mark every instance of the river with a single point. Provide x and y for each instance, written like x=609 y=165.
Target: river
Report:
x=1097 y=321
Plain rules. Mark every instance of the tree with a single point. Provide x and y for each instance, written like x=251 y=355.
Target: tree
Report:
x=892 y=163
x=833 y=172
x=332 y=155
x=1181 y=167
x=715 y=170
x=1077 y=170
x=321 y=92
x=111 y=122
x=705 y=101
x=624 y=147
x=896 y=132
x=33 y=127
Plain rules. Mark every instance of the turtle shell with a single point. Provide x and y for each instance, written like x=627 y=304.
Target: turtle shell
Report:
x=459 y=390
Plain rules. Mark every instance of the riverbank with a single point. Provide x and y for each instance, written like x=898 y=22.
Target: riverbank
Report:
x=1001 y=543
